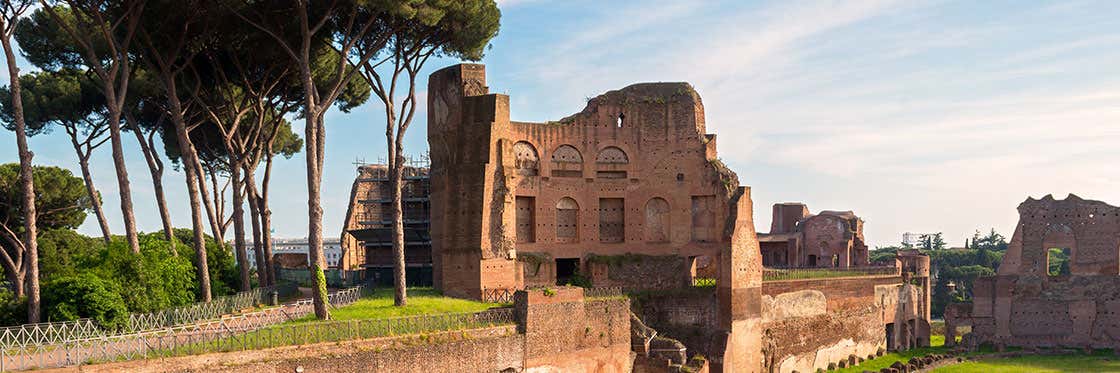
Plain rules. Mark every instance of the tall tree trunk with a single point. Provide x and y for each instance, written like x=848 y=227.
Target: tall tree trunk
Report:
x=211 y=210
x=313 y=133
x=396 y=168
x=123 y=189
x=255 y=219
x=239 y=225
x=155 y=168
x=266 y=218
x=94 y=196
x=31 y=244
x=190 y=162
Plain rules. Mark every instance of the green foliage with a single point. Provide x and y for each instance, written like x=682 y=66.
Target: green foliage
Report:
x=12 y=311
x=321 y=282
x=64 y=96
x=548 y=292
x=224 y=277
x=64 y=252
x=148 y=282
x=932 y=241
x=992 y=241
x=1057 y=261
x=580 y=280
x=85 y=295
x=60 y=198
x=884 y=254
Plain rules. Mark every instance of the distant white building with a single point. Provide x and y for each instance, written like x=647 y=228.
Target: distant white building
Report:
x=332 y=250
x=912 y=239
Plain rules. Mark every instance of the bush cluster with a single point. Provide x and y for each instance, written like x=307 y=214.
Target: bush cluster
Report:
x=84 y=277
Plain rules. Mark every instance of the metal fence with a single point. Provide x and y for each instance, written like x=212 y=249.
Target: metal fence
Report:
x=59 y=332
x=704 y=282
x=798 y=273
x=604 y=292
x=201 y=337
x=498 y=295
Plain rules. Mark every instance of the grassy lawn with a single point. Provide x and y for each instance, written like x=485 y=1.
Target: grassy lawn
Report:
x=421 y=301
x=1105 y=362
x=369 y=317
x=937 y=345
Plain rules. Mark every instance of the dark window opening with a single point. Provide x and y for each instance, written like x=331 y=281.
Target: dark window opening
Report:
x=812 y=261
x=566 y=269
x=890 y=337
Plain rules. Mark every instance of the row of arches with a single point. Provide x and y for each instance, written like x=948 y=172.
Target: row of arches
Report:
x=567 y=160
x=611 y=220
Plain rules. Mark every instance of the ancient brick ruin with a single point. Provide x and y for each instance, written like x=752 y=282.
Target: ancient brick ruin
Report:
x=800 y=239
x=630 y=193
x=1027 y=305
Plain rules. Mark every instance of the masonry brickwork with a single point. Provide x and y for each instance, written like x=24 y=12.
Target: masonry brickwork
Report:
x=1025 y=305
x=798 y=238
x=629 y=192
x=633 y=173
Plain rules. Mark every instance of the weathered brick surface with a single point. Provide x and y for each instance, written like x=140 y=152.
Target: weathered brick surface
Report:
x=1025 y=306
x=634 y=172
x=565 y=332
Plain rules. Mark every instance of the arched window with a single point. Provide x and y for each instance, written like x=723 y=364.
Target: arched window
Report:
x=567 y=220
x=657 y=220
x=567 y=162
x=612 y=154
x=525 y=158
x=611 y=163
x=567 y=154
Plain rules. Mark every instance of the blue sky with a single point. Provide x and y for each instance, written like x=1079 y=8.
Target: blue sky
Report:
x=920 y=116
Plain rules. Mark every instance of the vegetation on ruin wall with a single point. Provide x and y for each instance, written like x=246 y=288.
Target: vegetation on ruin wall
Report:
x=958 y=266
x=1101 y=361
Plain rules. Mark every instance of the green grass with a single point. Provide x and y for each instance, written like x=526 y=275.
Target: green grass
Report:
x=365 y=318
x=421 y=301
x=937 y=346
x=1104 y=362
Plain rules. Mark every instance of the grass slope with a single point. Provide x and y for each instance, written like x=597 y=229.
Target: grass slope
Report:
x=1040 y=364
x=421 y=301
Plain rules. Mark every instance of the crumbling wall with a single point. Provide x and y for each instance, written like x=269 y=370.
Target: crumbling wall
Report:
x=564 y=332
x=1024 y=305
x=639 y=272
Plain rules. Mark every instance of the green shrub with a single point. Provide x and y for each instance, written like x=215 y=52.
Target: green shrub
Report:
x=12 y=311
x=154 y=280
x=219 y=258
x=62 y=252
x=85 y=295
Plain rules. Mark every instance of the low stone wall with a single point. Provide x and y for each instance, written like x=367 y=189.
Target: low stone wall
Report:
x=478 y=350
x=841 y=292
x=566 y=333
x=808 y=343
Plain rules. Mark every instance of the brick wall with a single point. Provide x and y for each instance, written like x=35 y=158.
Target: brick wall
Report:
x=567 y=333
x=841 y=293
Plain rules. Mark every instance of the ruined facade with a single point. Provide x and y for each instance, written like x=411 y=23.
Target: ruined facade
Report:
x=517 y=203
x=630 y=193
x=1026 y=304
x=367 y=246
x=798 y=238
